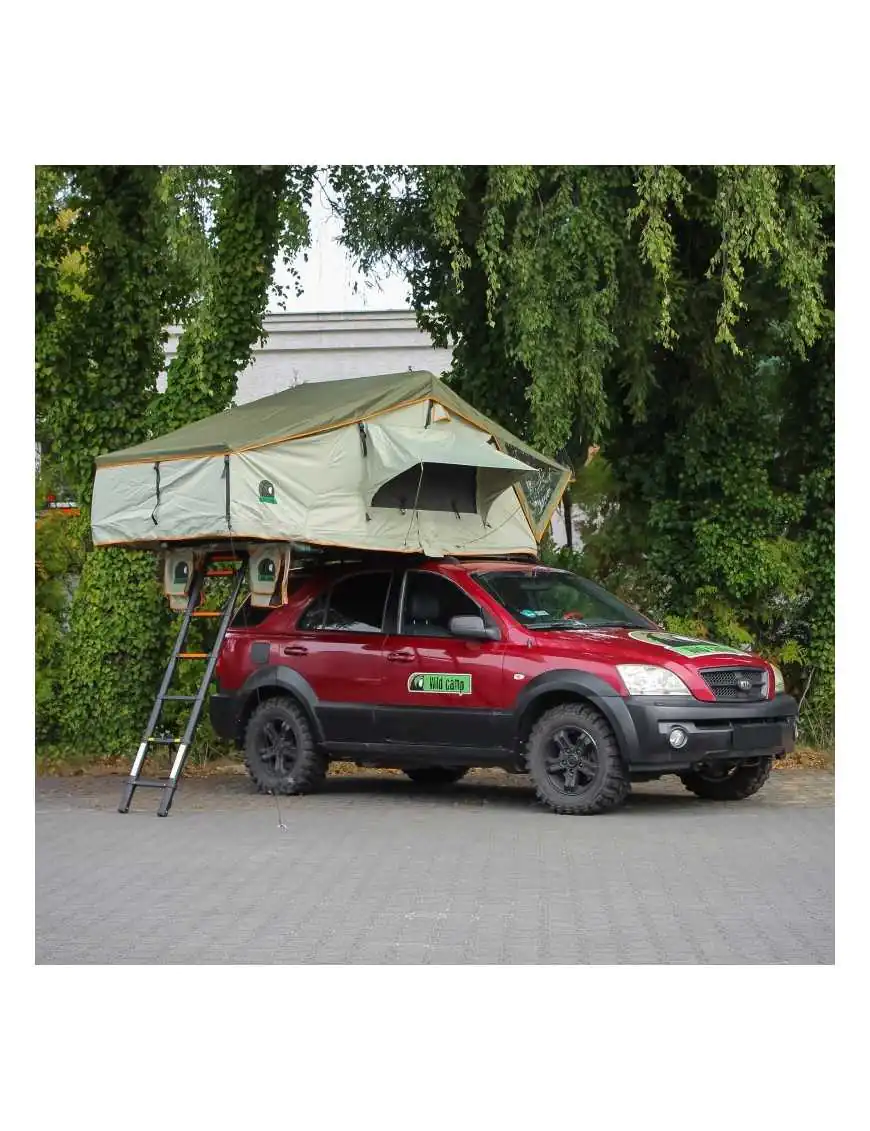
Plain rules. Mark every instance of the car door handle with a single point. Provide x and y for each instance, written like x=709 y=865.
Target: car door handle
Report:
x=295 y=650
x=401 y=657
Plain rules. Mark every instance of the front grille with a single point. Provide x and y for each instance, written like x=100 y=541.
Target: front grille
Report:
x=723 y=683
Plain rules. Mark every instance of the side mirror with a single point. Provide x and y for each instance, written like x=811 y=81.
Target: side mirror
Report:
x=472 y=628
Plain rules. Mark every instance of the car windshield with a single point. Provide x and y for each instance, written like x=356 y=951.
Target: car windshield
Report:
x=544 y=599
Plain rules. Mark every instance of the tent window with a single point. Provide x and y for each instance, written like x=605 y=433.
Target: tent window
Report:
x=537 y=489
x=444 y=487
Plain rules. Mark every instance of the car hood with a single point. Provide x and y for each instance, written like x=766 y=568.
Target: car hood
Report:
x=643 y=646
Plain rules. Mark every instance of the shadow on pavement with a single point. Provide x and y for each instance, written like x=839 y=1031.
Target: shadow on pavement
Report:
x=512 y=793
x=479 y=788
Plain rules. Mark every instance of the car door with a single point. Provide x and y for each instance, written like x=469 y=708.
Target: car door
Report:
x=439 y=689
x=338 y=646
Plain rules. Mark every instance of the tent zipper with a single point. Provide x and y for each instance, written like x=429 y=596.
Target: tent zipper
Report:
x=157 y=491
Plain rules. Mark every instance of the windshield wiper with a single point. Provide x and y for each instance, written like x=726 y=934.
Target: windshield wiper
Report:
x=558 y=624
x=571 y=623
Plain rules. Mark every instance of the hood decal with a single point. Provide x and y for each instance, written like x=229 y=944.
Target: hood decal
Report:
x=685 y=645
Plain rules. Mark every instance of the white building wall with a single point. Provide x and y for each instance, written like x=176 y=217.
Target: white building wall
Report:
x=330 y=347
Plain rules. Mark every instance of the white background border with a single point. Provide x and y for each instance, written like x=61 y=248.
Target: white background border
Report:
x=417 y=1047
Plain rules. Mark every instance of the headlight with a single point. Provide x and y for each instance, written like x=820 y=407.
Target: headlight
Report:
x=649 y=679
x=778 y=681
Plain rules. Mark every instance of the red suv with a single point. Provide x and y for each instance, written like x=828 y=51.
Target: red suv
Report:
x=433 y=667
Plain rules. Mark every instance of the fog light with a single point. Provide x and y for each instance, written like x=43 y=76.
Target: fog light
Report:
x=678 y=738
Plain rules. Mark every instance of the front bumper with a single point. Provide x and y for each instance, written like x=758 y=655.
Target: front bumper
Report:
x=724 y=730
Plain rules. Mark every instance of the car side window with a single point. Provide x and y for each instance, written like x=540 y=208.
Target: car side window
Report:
x=313 y=616
x=353 y=604
x=430 y=601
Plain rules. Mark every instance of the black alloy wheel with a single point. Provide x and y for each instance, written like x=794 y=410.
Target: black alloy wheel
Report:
x=280 y=752
x=572 y=760
x=575 y=762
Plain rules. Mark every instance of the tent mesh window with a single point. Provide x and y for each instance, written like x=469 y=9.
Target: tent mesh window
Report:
x=444 y=487
x=537 y=488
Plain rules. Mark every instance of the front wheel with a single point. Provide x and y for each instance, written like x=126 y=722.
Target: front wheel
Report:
x=574 y=761
x=436 y=775
x=730 y=782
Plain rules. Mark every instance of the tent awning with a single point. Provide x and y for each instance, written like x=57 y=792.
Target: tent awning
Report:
x=393 y=450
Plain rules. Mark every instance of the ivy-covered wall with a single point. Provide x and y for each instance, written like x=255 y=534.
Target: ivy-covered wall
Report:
x=123 y=252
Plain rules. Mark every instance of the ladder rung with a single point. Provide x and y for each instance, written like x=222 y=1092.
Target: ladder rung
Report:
x=207 y=613
x=152 y=783
x=221 y=573
x=193 y=655
x=164 y=741
x=178 y=698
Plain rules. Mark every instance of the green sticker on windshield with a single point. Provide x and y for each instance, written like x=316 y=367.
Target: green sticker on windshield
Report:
x=685 y=645
x=443 y=683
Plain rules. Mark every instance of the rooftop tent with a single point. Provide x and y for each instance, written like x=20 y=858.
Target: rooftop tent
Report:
x=395 y=462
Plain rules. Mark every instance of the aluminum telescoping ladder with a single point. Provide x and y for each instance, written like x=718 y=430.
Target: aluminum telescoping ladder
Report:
x=213 y=565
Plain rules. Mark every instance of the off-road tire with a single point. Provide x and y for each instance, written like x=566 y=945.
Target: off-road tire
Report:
x=291 y=773
x=742 y=782
x=436 y=775
x=610 y=784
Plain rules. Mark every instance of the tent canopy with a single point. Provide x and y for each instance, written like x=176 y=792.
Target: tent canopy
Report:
x=306 y=410
x=337 y=463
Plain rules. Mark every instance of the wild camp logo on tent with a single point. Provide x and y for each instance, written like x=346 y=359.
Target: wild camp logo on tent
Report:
x=267 y=492
x=444 y=683
x=266 y=570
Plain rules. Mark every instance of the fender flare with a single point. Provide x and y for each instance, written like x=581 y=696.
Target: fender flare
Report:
x=587 y=686
x=288 y=681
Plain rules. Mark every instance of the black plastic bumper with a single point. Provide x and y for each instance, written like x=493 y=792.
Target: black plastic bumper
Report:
x=223 y=712
x=714 y=730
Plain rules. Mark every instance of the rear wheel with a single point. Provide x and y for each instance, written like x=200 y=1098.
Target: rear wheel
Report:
x=280 y=752
x=436 y=775
x=573 y=759
x=728 y=782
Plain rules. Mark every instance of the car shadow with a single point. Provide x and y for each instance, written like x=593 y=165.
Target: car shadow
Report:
x=467 y=792
x=513 y=793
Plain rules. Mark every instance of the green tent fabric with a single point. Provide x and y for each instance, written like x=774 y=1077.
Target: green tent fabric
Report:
x=307 y=410
x=333 y=463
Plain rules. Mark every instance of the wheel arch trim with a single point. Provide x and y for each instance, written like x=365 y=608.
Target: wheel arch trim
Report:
x=597 y=692
x=286 y=681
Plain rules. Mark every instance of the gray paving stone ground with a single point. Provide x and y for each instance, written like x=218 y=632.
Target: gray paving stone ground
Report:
x=377 y=870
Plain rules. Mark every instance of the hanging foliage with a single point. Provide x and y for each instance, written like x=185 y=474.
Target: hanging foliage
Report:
x=676 y=315
x=259 y=210
x=99 y=351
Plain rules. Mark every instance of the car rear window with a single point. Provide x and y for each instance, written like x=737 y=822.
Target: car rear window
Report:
x=353 y=604
x=249 y=616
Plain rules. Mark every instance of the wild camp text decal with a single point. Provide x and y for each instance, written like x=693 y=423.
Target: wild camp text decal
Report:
x=443 y=683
